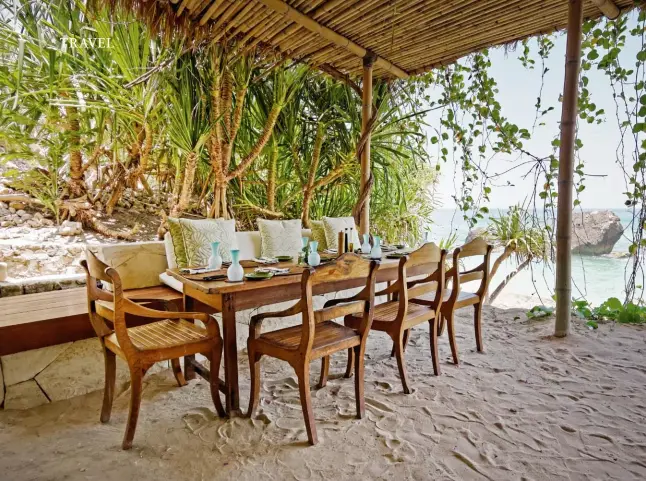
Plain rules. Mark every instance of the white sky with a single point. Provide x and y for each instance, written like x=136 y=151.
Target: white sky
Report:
x=518 y=90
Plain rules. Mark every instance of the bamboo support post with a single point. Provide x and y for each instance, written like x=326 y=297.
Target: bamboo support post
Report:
x=366 y=114
x=566 y=169
x=608 y=8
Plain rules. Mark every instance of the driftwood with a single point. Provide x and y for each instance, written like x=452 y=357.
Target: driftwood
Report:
x=19 y=198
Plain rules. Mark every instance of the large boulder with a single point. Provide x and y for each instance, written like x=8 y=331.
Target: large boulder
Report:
x=595 y=233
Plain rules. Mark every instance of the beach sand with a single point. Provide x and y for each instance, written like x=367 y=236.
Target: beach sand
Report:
x=530 y=407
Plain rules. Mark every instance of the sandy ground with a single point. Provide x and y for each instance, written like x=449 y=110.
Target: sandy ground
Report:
x=530 y=408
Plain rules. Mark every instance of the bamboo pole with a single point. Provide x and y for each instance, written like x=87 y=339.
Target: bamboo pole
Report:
x=566 y=169
x=366 y=114
x=211 y=11
x=608 y=8
x=282 y=8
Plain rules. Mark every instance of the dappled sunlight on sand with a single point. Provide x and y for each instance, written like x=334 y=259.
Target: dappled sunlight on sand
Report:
x=529 y=407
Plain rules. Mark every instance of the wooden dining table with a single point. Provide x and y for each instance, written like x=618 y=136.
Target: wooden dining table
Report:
x=228 y=298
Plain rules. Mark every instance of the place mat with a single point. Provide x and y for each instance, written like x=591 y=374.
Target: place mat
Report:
x=249 y=263
x=200 y=277
x=296 y=270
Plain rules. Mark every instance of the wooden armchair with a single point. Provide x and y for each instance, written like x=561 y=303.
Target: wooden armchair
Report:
x=168 y=338
x=398 y=316
x=318 y=336
x=456 y=299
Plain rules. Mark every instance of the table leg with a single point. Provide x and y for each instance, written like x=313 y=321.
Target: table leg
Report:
x=189 y=369
x=230 y=354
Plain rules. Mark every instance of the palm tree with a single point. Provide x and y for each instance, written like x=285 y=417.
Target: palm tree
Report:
x=516 y=232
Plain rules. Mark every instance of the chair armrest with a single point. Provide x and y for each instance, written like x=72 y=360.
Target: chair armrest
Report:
x=357 y=297
x=391 y=289
x=256 y=320
x=139 y=310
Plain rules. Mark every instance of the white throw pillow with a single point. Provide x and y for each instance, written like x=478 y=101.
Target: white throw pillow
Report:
x=280 y=237
x=192 y=240
x=333 y=225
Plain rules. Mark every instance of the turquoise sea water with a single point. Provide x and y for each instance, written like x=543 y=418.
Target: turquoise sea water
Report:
x=595 y=278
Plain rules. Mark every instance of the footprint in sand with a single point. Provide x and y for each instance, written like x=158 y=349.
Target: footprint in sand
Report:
x=290 y=424
x=389 y=423
x=568 y=429
x=383 y=386
x=196 y=421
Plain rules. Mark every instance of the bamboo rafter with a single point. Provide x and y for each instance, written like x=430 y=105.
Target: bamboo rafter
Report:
x=608 y=8
x=407 y=36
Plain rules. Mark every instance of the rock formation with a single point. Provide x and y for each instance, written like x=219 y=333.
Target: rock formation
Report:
x=595 y=233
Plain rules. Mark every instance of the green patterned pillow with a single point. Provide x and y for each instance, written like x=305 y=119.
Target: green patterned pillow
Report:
x=280 y=237
x=334 y=225
x=318 y=234
x=192 y=239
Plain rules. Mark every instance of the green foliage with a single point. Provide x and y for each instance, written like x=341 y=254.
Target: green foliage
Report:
x=611 y=309
x=137 y=86
x=537 y=312
x=449 y=243
x=518 y=231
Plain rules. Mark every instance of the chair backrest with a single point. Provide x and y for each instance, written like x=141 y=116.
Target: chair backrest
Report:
x=478 y=247
x=106 y=305
x=429 y=279
x=433 y=259
x=347 y=267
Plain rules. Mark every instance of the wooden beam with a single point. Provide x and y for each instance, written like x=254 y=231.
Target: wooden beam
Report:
x=294 y=15
x=608 y=8
x=563 y=286
x=366 y=114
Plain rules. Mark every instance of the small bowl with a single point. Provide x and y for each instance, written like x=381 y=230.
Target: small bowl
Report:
x=284 y=258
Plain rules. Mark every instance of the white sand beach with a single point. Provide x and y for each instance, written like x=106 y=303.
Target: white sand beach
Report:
x=530 y=407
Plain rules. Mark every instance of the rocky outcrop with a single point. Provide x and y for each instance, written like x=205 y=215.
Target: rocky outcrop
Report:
x=475 y=232
x=595 y=233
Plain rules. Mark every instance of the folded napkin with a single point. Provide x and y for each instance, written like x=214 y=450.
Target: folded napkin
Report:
x=265 y=260
x=196 y=270
x=273 y=270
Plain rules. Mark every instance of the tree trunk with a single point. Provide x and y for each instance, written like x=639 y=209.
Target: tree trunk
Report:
x=260 y=143
x=216 y=207
x=271 y=177
x=308 y=191
x=205 y=189
x=507 y=279
x=187 y=186
x=77 y=187
x=177 y=186
x=503 y=257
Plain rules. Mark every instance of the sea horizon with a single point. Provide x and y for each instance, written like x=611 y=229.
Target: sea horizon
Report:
x=595 y=278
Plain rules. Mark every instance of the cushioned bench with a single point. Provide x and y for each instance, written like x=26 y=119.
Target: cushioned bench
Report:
x=49 y=318
x=46 y=319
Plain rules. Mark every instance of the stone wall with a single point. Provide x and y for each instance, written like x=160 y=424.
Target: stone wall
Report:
x=19 y=214
x=24 y=261
x=40 y=284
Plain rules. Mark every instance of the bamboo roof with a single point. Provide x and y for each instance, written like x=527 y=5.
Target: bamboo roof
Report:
x=408 y=37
